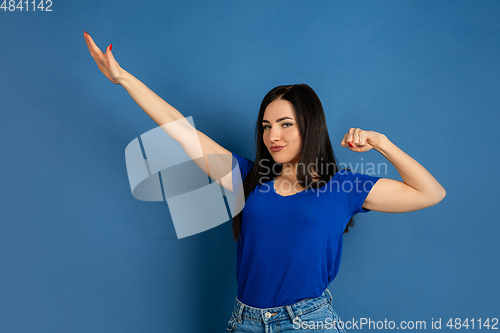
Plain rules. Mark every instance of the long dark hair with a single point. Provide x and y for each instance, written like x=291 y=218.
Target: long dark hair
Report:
x=316 y=151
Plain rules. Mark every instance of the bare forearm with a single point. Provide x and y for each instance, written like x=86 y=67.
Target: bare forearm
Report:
x=413 y=174
x=155 y=107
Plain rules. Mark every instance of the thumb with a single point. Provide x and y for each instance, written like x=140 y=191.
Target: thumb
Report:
x=109 y=54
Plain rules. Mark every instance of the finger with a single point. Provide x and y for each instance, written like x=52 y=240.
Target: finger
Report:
x=343 y=143
x=86 y=36
x=352 y=139
x=91 y=46
x=356 y=137
x=347 y=139
x=97 y=51
x=350 y=136
x=362 y=138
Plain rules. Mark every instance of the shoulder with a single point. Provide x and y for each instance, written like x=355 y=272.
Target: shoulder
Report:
x=242 y=165
x=242 y=161
x=349 y=179
x=343 y=175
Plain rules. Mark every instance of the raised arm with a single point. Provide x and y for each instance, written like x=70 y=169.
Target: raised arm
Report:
x=167 y=117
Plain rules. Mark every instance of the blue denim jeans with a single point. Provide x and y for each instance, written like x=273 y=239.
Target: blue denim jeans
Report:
x=309 y=315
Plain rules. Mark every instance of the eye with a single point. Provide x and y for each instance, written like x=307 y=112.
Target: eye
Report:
x=266 y=126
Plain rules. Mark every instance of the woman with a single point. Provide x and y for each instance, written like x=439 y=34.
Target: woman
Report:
x=298 y=203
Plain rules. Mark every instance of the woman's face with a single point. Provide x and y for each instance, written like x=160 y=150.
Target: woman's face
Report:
x=281 y=129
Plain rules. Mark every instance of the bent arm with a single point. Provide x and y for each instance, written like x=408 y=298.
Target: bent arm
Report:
x=418 y=190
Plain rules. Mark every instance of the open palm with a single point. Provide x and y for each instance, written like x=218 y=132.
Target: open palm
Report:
x=105 y=61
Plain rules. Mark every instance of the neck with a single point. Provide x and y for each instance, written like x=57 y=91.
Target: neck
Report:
x=289 y=172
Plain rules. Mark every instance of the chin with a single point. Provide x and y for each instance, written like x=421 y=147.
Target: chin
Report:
x=281 y=160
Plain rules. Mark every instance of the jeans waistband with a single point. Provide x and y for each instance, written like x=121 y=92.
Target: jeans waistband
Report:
x=291 y=311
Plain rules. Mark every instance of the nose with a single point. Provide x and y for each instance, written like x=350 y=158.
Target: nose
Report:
x=274 y=134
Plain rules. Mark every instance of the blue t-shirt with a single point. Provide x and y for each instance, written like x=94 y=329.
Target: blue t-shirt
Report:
x=290 y=246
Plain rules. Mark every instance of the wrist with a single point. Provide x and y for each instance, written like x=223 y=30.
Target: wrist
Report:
x=383 y=143
x=124 y=78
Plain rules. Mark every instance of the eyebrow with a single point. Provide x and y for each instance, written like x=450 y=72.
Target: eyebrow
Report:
x=278 y=120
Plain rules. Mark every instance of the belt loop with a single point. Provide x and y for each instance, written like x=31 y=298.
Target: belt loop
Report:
x=331 y=297
x=290 y=312
x=240 y=312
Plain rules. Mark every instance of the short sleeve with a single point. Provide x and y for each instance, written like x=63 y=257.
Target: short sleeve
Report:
x=244 y=165
x=356 y=187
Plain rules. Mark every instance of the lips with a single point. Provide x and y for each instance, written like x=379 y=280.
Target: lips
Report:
x=278 y=148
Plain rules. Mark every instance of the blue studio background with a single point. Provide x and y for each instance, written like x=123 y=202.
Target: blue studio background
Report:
x=79 y=254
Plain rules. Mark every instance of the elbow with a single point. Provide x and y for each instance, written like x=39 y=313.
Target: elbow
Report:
x=439 y=196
